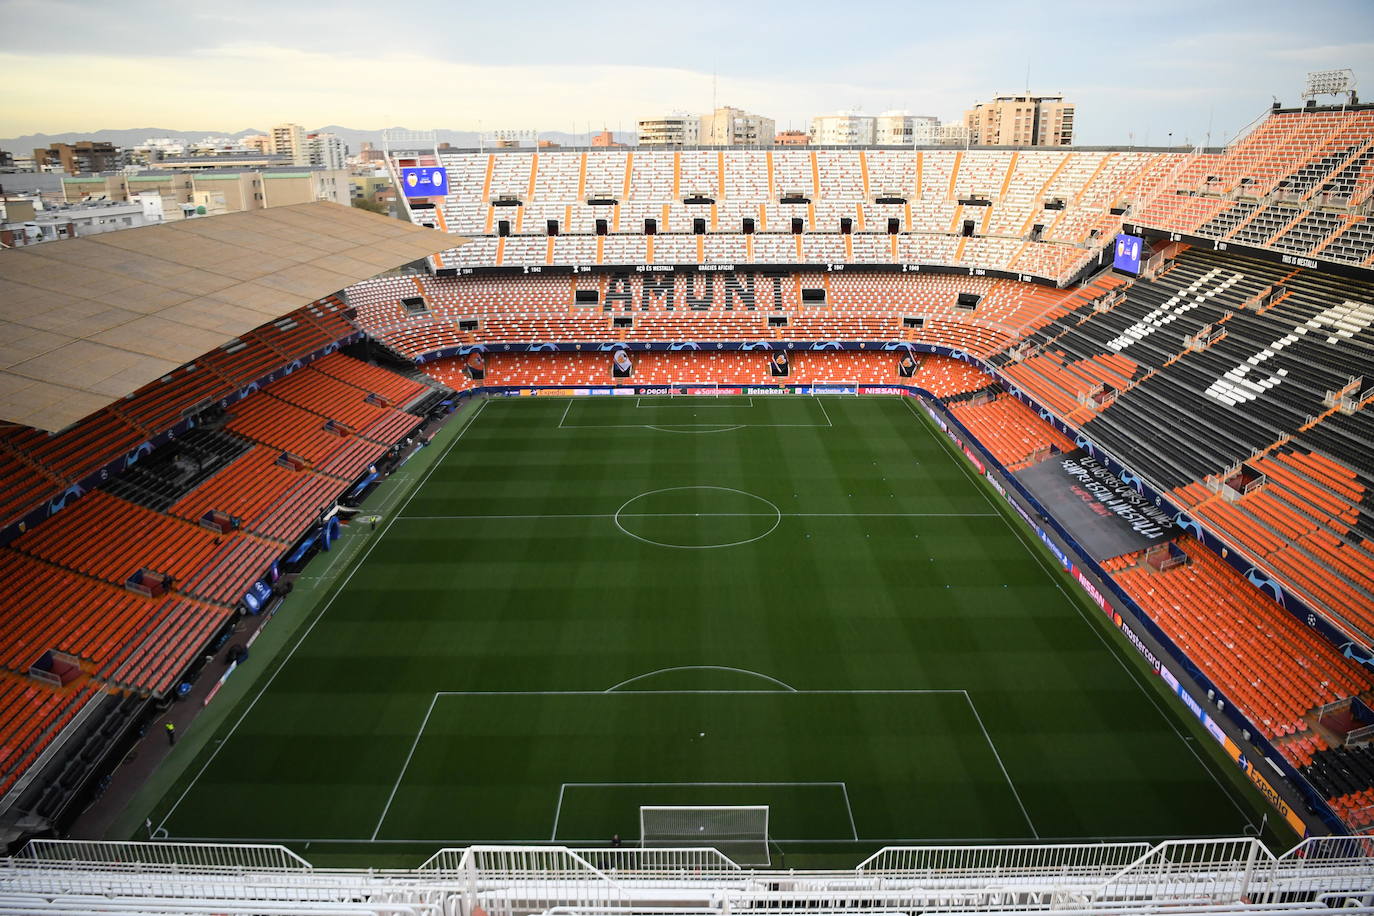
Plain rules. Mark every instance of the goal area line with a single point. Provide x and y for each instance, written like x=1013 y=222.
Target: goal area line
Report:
x=606 y=695
x=833 y=785
x=722 y=402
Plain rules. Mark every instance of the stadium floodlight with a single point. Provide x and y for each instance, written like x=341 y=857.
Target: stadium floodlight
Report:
x=508 y=135
x=739 y=832
x=399 y=140
x=1330 y=82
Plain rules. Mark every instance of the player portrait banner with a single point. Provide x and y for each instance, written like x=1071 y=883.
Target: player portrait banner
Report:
x=622 y=364
x=475 y=366
x=906 y=366
x=778 y=364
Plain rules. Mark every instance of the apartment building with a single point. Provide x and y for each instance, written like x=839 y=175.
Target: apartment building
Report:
x=725 y=126
x=1021 y=120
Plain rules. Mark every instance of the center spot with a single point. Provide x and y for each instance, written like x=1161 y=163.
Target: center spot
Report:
x=697 y=518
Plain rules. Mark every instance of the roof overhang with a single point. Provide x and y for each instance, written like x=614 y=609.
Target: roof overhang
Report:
x=87 y=321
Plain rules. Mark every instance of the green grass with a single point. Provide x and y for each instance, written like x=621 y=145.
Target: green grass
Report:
x=878 y=656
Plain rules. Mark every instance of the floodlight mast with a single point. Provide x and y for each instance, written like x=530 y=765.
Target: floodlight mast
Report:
x=419 y=142
x=1331 y=82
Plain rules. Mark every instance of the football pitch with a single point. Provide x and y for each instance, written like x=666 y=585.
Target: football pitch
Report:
x=588 y=605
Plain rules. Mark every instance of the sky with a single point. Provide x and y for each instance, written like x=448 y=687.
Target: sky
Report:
x=1157 y=72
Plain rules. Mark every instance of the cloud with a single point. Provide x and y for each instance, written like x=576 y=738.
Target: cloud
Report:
x=1174 y=66
x=263 y=84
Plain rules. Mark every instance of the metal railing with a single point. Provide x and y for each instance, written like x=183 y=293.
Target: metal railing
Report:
x=138 y=856
x=1125 y=877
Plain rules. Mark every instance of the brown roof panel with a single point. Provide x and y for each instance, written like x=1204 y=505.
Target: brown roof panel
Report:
x=84 y=322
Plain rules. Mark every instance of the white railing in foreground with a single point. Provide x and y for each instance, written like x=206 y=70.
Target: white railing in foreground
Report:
x=1185 y=875
x=187 y=856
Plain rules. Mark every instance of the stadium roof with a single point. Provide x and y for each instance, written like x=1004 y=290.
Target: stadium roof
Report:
x=87 y=321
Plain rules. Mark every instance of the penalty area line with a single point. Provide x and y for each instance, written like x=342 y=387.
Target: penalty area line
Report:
x=362 y=561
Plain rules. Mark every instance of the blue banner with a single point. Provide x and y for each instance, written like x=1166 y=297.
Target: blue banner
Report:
x=1126 y=254
x=424 y=181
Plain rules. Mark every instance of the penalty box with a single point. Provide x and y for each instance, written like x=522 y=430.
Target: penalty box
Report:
x=576 y=766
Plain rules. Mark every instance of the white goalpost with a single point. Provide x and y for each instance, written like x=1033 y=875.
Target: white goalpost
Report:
x=700 y=390
x=840 y=387
x=739 y=832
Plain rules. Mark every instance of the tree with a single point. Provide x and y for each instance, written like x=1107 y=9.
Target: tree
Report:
x=371 y=206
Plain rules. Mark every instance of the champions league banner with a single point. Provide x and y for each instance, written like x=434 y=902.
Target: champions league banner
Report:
x=622 y=366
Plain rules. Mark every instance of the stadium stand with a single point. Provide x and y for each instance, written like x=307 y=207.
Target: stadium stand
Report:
x=1235 y=357
x=1009 y=429
x=132 y=535
x=1270 y=665
x=920 y=308
x=940 y=375
x=1295 y=183
x=1241 y=357
x=45 y=464
x=897 y=206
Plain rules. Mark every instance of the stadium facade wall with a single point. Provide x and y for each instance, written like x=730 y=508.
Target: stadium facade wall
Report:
x=145 y=448
x=1079 y=276
x=986 y=464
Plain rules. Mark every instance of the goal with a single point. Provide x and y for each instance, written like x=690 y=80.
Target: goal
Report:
x=737 y=831
x=835 y=387
x=701 y=390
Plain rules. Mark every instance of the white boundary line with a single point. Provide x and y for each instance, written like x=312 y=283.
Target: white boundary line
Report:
x=698 y=427
x=777 y=517
x=695 y=432
x=1169 y=717
x=640 y=677
x=1002 y=766
x=789 y=691
x=824 y=412
x=694 y=425
x=439 y=518
x=597 y=841
x=320 y=616
x=684 y=691
x=405 y=766
x=844 y=793
x=1165 y=714
x=850 y=808
x=670 y=399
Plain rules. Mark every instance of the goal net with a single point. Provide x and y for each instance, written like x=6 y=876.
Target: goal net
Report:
x=737 y=831
x=701 y=390
x=835 y=387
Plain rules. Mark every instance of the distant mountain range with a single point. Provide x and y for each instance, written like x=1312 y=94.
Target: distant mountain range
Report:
x=351 y=137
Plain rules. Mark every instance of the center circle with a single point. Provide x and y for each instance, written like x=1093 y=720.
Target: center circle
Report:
x=697 y=518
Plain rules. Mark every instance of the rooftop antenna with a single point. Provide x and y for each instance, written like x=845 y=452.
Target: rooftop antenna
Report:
x=713 y=85
x=1028 y=63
